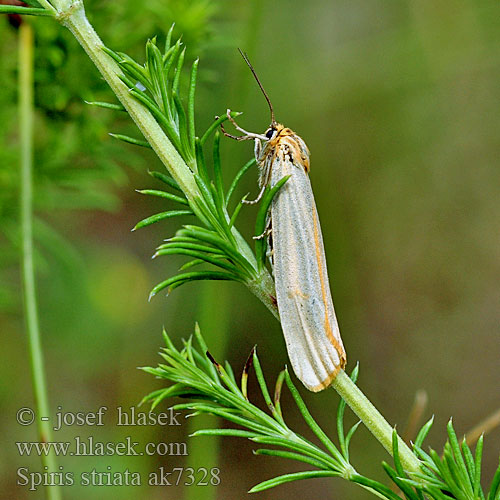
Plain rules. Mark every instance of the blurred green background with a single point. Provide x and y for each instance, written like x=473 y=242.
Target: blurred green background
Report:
x=399 y=105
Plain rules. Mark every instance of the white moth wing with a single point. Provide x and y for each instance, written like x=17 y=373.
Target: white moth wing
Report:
x=303 y=293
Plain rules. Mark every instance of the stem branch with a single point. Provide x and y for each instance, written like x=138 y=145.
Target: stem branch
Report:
x=373 y=420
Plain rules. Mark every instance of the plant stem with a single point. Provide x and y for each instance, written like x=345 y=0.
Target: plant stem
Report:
x=28 y=272
x=263 y=289
x=373 y=420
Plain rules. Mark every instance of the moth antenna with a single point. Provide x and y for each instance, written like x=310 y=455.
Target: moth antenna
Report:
x=249 y=64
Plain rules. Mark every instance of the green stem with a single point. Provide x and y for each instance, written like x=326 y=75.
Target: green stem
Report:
x=28 y=271
x=263 y=288
x=373 y=420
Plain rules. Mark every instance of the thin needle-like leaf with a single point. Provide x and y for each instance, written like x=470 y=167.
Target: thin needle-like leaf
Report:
x=191 y=120
x=161 y=216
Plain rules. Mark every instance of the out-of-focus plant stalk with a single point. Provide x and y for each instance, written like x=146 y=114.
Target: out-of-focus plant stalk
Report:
x=28 y=271
x=213 y=313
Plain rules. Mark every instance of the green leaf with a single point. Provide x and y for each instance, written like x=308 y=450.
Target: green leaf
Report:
x=165 y=179
x=163 y=194
x=158 y=396
x=224 y=432
x=203 y=256
x=192 y=246
x=168 y=61
x=375 y=486
x=291 y=456
x=155 y=59
x=261 y=220
x=395 y=454
x=202 y=173
x=236 y=213
x=469 y=460
x=477 y=468
x=131 y=140
x=406 y=489
x=218 y=170
x=137 y=74
x=215 y=124
x=191 y=263
x=262 y=384
x=106 y=105
x=160 y=118
x=287 y=478
x=239 y=175
x=312 y=423
x=212 y=238
x=178 y=70
x=344 y=441
x=201 y=342
x=191 y=119
x=494 y=492
x=168 y=38
x=423 y=433
x=193 y=276
x=349 y=436
x=161 y=216
x=183 y=130
x=33 y=3
x=456 y=461
x=27 y=11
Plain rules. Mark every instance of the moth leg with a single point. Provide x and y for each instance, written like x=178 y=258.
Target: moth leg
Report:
x=270 y=250
x=259 y=197
x=267 y=230
x=257 y=149
x=236 y=126
x=247 y=135
x=265 y=178
x=235 y=137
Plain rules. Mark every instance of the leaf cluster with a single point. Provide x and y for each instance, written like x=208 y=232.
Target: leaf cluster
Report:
x=456 y=474
x=213 y=389
x=157 y=84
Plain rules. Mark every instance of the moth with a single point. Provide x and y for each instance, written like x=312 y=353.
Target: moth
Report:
x=303 y=295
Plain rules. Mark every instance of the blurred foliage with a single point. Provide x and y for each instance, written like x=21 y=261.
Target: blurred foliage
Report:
x=77 y=165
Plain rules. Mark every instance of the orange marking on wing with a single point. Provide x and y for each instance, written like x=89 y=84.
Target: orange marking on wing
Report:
x=327 y=325
x=328 y=380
